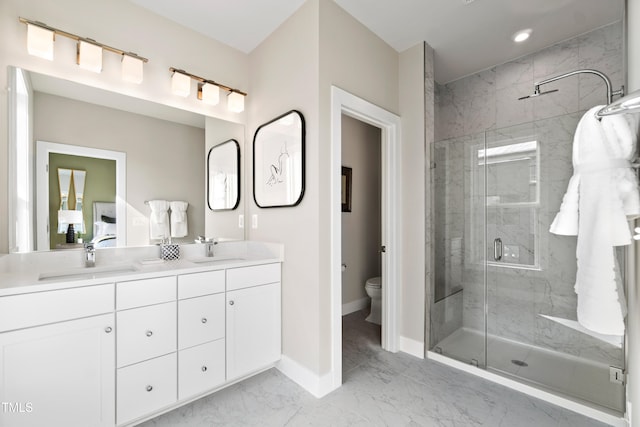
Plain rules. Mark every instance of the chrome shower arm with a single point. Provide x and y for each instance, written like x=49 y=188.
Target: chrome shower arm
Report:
x=610 y=91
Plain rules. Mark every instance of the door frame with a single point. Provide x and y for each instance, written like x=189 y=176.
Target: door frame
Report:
x=343 y=102
x=43 y=149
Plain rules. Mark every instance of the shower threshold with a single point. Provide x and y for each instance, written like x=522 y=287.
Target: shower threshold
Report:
x=564 y=380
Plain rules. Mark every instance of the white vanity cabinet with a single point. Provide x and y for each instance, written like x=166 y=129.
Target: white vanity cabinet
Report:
x=147 y=344
x=253 y=319
x=58 y=369
x=201 y=332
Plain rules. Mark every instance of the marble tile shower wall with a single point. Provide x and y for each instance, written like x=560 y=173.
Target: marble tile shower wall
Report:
x=489 y=99
x=488 y=102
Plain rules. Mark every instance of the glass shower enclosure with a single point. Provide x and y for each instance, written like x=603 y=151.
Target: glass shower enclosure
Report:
x=503 y=294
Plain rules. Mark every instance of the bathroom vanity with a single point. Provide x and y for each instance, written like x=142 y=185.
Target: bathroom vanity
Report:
x=127 y=341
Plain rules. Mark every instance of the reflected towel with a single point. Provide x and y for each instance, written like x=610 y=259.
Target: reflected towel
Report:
x=179 y=227
x=602 y=195
x=159 y=219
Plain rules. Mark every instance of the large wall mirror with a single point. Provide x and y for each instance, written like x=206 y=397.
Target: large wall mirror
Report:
x=164 y=152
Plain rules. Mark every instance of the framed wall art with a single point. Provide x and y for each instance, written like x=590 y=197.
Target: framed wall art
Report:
x=346 y=189
x=278 y=161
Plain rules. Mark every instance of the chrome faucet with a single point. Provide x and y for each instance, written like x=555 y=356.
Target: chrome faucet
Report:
x=89 y=255
x=208 y=247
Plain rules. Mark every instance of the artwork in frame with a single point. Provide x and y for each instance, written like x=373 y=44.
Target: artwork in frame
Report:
x=346 y=189
x=278 y=161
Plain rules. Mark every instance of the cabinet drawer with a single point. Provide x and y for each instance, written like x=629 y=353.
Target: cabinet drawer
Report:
x=245 y=277
x=138 y=293
x=200 y=320
x=146 y=387
x=146 y=332
x=198 y=284
x=23 y=311
x=200 y=368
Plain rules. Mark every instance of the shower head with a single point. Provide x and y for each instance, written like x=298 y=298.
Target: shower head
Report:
x=537 y=92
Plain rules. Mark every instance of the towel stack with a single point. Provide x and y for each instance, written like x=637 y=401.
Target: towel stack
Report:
x=160 y=226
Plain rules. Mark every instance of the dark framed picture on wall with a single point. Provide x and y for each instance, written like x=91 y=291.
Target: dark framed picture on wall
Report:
x=346 y=189
x=278 y=161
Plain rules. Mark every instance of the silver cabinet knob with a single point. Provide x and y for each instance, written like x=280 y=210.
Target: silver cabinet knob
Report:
x=108 y=329
x=149 y=388
x=204 y=369
x=149 y=333
x=204 y=320
x=231 y=302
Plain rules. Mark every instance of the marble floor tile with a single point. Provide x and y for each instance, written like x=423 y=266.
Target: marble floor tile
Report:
x=379 y=389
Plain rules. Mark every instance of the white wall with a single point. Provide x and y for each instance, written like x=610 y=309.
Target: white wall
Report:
x=633 y=297
x=287 y=78
x=416 y=111
x=163 y=158
x=361 y=149
x=121 y=24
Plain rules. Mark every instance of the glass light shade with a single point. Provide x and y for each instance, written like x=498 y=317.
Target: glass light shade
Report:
x=235 y=102
x=180 y=84
x=89 y=56
x=132 y=69
x=210 y=94
x=40 y=42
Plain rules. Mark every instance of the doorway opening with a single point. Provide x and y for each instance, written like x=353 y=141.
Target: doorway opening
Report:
x=344 y=103
x=361 y=240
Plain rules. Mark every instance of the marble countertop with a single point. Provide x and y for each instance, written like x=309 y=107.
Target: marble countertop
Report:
x=46 y=271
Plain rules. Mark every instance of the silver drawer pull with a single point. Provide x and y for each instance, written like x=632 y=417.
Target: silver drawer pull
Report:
x=149 y=333
x=231 y=302
x=204 y=369
x=108 y=329
x=204 y=320
x=149 y=388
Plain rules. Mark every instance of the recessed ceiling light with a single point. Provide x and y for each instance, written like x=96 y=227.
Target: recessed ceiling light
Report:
x=521 y=36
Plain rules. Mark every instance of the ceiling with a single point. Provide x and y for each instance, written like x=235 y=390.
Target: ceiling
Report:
x=467 y=35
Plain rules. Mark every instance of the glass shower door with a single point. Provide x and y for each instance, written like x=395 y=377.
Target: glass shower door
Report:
x=532 y=332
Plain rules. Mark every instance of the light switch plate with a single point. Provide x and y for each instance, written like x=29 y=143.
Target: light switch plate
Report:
x=254 y=221
x=240 y=221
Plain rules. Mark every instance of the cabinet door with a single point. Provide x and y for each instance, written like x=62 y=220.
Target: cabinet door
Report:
x=146 y=332
x=253 y=329
x=59 y=375
x=200 y=320
x=200 y=368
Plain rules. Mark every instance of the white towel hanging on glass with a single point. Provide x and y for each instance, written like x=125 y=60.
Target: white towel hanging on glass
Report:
x=602 y=195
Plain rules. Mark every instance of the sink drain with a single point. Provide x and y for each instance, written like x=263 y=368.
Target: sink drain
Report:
x=519 y=362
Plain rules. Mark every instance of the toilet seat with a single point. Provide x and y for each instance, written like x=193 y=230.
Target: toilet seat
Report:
x=374 y=282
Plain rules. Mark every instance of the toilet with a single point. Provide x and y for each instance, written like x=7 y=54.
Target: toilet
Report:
x=373 y=286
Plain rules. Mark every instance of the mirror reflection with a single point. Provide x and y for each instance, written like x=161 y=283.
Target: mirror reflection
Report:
x=159 y=153
x=223 y=172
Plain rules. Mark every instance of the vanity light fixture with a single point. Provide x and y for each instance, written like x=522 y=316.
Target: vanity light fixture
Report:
x=208 y=90
x=41 y=37
x=40 y=41
x=89 y=56
x=180 y=84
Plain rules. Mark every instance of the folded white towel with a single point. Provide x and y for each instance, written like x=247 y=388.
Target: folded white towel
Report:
x=179 y=226
x=159 y=219
x=601 y=196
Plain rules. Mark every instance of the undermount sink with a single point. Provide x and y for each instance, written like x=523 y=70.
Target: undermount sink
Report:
x=215 y=260
x=87 y=272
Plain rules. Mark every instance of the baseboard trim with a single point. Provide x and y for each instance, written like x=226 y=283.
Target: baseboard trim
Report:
x=317 y=385
x=412 y=347
x=353 y=306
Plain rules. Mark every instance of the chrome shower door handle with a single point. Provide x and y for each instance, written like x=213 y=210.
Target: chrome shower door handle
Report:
x=497 y=249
